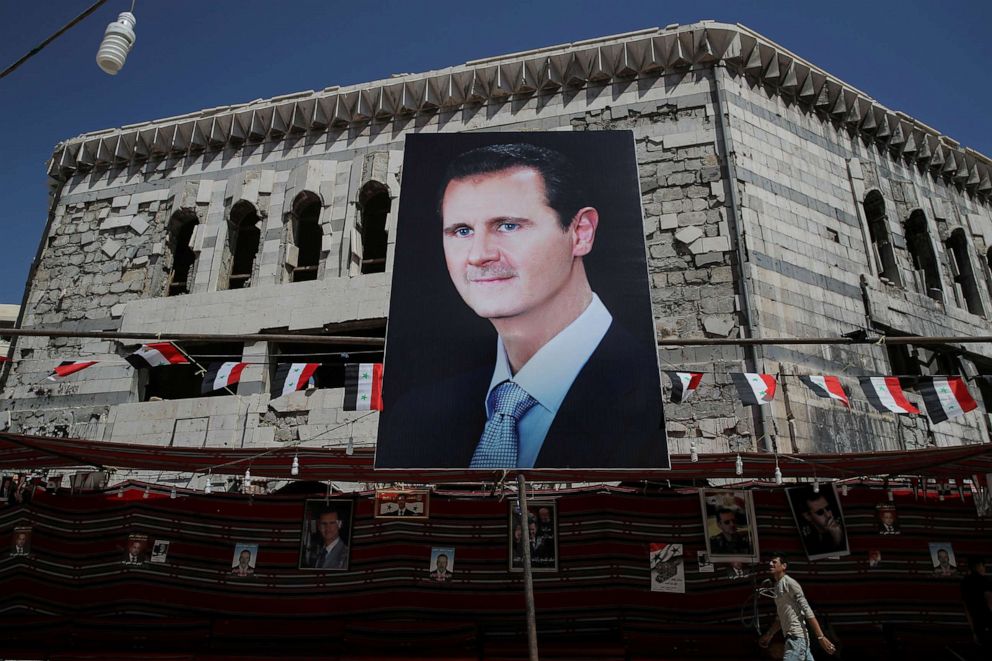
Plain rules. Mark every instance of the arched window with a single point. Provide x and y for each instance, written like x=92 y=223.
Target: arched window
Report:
x=878 y=229
x=243 y=237
x=305 y=236
x=963 y=273
x=181 y=227
x=374 y=204
x=923 y=257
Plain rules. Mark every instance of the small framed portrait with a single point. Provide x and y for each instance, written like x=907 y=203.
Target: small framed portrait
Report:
x=160 y=551
x=20 y=541
x=542 y=526
x=874 y=559
x=819 y=520
x=705 y=566
x=942 y=556
x=729 y=525
x=7 y=487
x=888 y=519
x=326 y=534
x=406 y=503
x=442 y=564
x=245 y=558
x=137 y=550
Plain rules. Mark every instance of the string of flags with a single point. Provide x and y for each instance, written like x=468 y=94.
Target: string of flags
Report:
x=363 y=382
x=944 y=397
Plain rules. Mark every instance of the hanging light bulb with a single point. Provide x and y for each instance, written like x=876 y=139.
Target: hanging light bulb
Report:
x=247 y=477
x=120 y=492
x=843 y=490
x=295 y=469
x=350 y=450
x=891 y=495
x=118 y=40
x=816 y=485
x=778 y=475
x=172 y=494
x=145 y=495
x=739 y=466
x=693 y=455
x=208 y=489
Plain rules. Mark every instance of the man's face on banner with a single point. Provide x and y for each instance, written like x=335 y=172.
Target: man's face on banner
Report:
x=505 y=248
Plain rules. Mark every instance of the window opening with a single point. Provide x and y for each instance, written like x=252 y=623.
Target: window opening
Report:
x=181 y=228
x=881 y=241
x=306 y=236
x=374 y=205
x=964 y=276
x=244 y=236
x=922 y=256
x=184 y=381
x=331 y=357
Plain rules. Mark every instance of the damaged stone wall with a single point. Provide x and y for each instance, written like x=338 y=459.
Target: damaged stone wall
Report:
x=803 y=180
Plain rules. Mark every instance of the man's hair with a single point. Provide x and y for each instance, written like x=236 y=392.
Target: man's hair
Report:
x=327 y=510
x=781 y=557
x=813 y=495
x=441 y=555
x=725 y=510
x=563 y=189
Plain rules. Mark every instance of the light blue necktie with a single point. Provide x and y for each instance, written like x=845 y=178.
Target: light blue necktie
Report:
x=500 y=439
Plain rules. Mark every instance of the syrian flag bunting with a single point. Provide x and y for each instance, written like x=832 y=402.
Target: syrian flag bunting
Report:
x=155 y=355
x=826 y=386
x=291 y=377
x=754 y=388
x=945 y=397
x=885 y=394
x=221 y=375
x=363 y=387
x=683 y=385
x=67 y=367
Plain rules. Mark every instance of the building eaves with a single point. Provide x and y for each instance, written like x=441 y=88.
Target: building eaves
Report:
x=642 y=54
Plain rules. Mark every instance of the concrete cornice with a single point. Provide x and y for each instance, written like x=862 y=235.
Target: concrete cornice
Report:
x=641 y=54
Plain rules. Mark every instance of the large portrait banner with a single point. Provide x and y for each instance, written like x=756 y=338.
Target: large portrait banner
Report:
x=520 y=328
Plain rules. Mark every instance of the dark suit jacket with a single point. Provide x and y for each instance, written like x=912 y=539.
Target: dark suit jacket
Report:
x=336 y=559
x=610 y=418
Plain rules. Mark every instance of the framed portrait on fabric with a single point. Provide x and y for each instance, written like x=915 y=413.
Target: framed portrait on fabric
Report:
x=542 y=526
x=326 y=534
x=945 y=565
x=137 y=550
x=729 y=525
x=160 y=551
x=405 y=503
x=667 y=568
x=888 y=519
x=819 y=520
x=244 y=560
x=442 y=564
x=520 y=282
x=20 y=541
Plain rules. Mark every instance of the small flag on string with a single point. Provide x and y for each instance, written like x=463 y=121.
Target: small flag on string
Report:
x=826 y=386
x=221 y=375
x=155 y=355
x=683 y=385
x=754 y=388
x=67 y=367
x=363 y=387
x=885 y=394
x=945 y=397
x=291 y=377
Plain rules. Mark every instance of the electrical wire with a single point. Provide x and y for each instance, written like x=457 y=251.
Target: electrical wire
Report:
x=34 y=51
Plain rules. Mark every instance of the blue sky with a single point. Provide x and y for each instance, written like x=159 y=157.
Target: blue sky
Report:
x=928 y=59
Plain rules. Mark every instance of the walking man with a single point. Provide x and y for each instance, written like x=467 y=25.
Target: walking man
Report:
x=792 y=608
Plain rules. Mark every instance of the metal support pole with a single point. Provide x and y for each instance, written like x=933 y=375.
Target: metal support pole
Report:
x=528 y=574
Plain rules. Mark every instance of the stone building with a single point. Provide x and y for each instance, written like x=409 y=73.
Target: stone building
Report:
x=778 y=201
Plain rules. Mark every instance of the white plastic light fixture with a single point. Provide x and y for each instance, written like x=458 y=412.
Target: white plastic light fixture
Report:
x=209 y=488
x=739 y=466
x=843 y=489
x=118 y=40
x=172 y=493
x=295 y=468
x=693 y=454
x=816 y=485
x=778 y=475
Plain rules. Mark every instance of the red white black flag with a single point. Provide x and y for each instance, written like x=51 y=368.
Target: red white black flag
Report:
x=363 y=387
x=291 y=377
x=754 y=388
x=885 y=394
x=945 y=397
x=67 y=367
x=155 y=355
x=683 y=385
x=826 y=386
x=221 y=375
